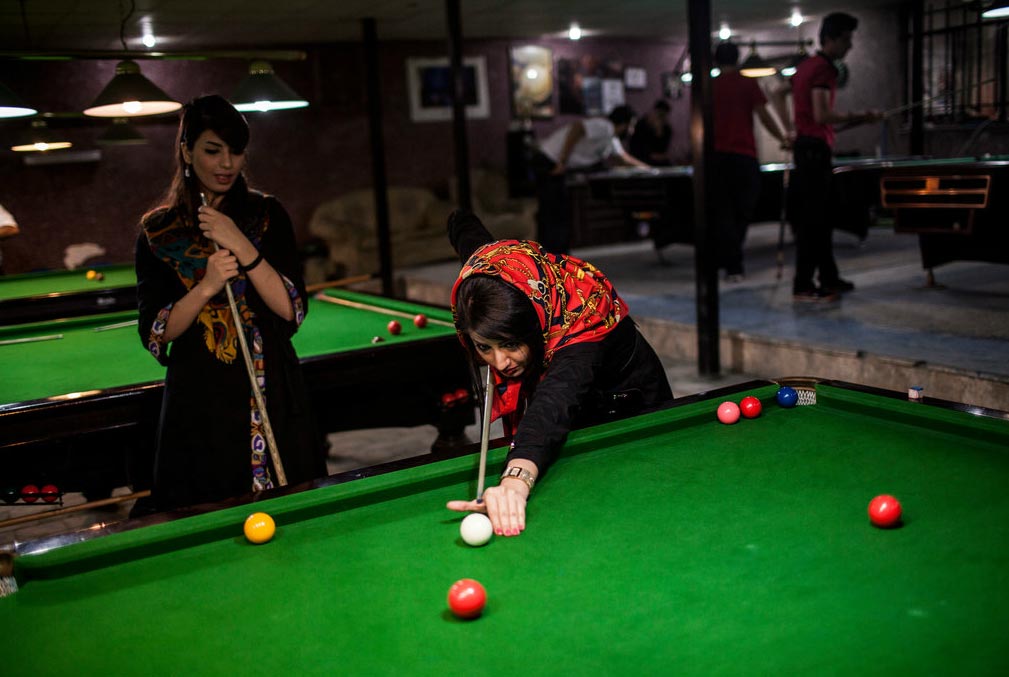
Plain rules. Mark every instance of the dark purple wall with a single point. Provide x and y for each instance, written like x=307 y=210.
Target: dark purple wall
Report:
x=303 y=156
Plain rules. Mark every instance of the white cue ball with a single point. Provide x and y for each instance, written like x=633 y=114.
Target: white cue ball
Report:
x=476 y=529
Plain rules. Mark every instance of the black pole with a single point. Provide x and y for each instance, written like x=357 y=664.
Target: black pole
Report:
x=378 y=177
x=458 y=102
x=1002 y=56
x=702 y=147
x=917 y=139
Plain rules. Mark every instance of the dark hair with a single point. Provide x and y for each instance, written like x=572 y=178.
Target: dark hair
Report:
x=662 y=105
x=835 y=24
x=494 y=309
x=204 y=113
x=622 y=115
x=726 y=54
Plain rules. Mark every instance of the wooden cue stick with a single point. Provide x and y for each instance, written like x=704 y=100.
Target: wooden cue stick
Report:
x=73 y=508
x=342 y=282
x=377 y=309
x=780 y=255
x=117 y=325
x=488 y=400
x=32 y=339
x=278 y=466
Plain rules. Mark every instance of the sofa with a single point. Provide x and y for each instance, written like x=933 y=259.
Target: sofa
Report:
x=417 y=218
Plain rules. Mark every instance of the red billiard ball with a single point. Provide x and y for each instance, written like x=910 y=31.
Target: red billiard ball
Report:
x=420 y=320
x=728 y=412
x=395 y=328
x=50 y=493
x=884 y=511
x=467 y=598
x=29 y=493
x=750 y=407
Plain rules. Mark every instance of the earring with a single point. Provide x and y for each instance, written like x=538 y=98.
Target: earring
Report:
x=186 y=171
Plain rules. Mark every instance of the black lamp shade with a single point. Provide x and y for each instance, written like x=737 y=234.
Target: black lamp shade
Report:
x=11 y=106
x=130 y=94
x=39 y=138
x=263 y=91
x=121 y=133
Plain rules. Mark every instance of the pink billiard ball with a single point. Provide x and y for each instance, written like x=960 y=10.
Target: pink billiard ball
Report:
x=420 y=320
x=467 y=598
x=750 y=407
x=884 y=511
x=394 y=328
x=728 y=412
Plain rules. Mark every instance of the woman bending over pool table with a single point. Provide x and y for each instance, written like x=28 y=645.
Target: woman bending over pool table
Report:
x=210 y=438
x=562 y=349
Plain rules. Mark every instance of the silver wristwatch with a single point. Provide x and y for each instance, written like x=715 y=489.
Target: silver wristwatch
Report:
x=520 y=474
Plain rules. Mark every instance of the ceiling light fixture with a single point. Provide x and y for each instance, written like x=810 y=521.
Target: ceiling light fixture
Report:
x=121 y=133
x=575 y=32
x=754 y=66
x=11 y=106
x=130 y=94
x=724 y=33
x=263 y=91
x=38 y=138
x=796 y=19
x=997 y=10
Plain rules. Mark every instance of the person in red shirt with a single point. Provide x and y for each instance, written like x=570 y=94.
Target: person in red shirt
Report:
x=814 y=87
x=737 y=172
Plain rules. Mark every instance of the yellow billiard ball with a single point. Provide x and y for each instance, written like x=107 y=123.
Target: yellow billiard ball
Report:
x=259 y=527
x=91 y=275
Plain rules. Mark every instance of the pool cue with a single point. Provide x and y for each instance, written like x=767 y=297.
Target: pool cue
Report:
x=342 y=282
x=32 y=339
x=378 y=309
x=488 y=400
x=117 y=325
x=57 y=512
x=278 y=466
x=780 y=254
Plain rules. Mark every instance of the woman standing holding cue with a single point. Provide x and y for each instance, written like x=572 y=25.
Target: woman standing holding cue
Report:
x=211 y=437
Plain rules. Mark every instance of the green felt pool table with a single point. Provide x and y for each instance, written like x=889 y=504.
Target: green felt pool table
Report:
x=81 y=411
x=667 y=543
x=35 y=297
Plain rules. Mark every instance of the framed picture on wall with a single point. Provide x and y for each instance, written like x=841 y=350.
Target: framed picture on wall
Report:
x=430 y=86
x=635 y=78
x=532 y=81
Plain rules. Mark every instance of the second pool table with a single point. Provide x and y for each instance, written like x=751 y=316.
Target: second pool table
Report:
x=81 y=411
x=35 y=297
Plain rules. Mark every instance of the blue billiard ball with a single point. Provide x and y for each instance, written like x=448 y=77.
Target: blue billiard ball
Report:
x=787 y=397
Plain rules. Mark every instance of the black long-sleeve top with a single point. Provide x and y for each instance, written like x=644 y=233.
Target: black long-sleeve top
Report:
x=585 y=383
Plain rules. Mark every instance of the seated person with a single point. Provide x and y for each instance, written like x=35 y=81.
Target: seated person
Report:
x=562 y=349
x=652 y=136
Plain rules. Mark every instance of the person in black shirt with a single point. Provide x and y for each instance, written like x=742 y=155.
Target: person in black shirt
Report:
x=652 y=135
x=562 y=349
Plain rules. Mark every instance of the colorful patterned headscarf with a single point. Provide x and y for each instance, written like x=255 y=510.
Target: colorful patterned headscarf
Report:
x=574 y=301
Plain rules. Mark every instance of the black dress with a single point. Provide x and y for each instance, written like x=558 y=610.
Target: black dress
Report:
x=206 y=435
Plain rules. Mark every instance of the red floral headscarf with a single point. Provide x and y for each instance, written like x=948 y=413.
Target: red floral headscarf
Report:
x=574 y=301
